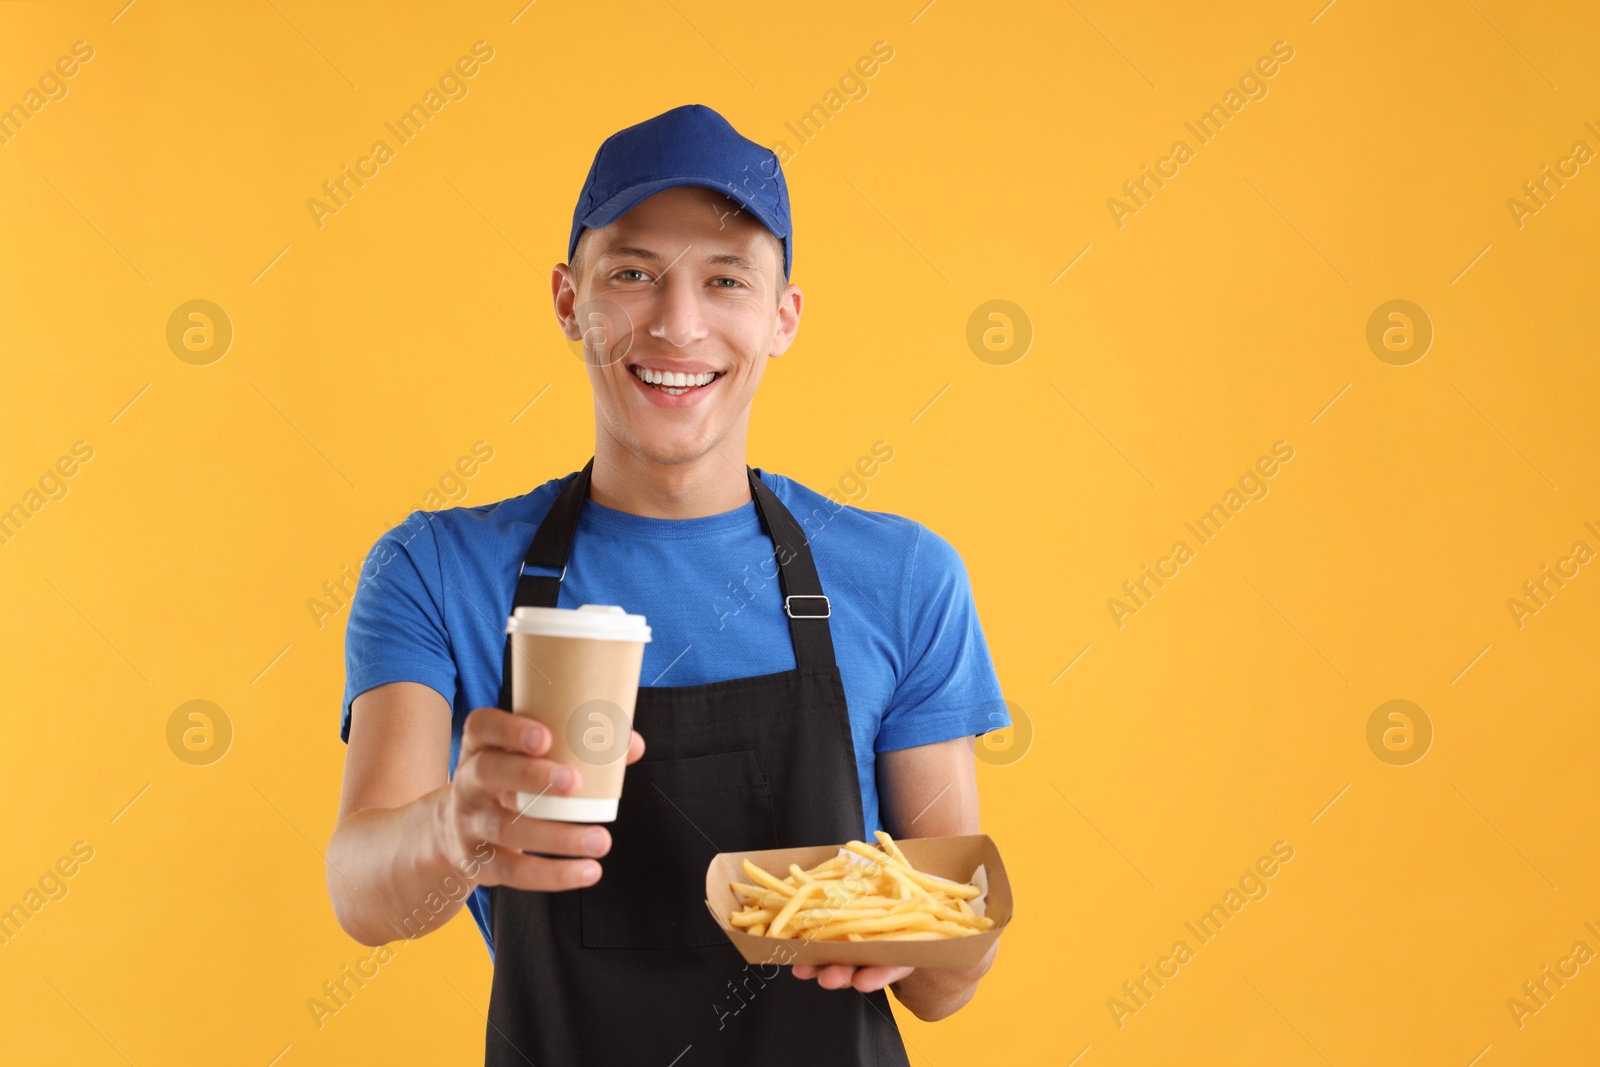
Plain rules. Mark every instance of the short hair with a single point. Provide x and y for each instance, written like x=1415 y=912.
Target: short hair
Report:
x=773 y=239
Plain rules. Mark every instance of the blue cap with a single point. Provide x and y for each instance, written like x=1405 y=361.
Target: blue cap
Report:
x=689 y=145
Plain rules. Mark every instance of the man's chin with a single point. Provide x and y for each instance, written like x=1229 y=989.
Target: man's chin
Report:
x=672 y=452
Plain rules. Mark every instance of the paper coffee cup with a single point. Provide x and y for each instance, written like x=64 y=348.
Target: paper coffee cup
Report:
x=577 y=671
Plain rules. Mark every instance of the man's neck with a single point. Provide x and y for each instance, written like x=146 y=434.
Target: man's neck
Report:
x=711 y=485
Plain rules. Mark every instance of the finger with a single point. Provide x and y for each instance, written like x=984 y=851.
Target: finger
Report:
x=635 y=747
x=493 y=770
x=805 y=970
x=498 y=728
x=835 y=976
x=514 y=831
x=870 y=979
x=516 y=871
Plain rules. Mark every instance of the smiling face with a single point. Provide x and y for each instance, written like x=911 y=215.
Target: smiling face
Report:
x=681 y=302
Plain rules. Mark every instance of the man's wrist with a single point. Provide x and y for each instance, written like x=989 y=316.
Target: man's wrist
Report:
x=447 y=849
x=932 y=993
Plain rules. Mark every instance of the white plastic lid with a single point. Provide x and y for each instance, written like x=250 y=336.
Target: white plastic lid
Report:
x=598 y=622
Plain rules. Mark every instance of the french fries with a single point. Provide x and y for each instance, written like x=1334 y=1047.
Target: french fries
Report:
x=884 y=899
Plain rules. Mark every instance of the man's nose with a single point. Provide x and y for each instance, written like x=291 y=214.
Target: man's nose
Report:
x=675 y=314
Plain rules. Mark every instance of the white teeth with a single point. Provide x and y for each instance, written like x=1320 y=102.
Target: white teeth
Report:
x=671 y=379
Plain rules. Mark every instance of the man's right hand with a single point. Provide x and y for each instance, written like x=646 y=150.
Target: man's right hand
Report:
x=501 y=755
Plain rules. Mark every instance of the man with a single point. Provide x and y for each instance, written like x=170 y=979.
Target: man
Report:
x=825 y=671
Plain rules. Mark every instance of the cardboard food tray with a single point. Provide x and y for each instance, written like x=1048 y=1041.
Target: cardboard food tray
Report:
x=953 y=858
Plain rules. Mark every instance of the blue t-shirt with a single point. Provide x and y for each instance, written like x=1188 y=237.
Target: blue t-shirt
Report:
x=916 y=669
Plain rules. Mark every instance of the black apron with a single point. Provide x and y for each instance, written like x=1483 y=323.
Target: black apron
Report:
x=632 y=970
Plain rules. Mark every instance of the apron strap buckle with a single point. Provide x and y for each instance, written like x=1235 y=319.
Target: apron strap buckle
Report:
x=788 y=609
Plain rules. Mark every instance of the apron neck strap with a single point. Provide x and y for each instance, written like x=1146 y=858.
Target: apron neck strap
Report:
x=803 y=600
x=552 y=544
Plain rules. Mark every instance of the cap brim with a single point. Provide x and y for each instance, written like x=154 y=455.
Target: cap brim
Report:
x=622 y=203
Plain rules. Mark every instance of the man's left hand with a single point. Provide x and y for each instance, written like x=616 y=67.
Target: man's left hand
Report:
x=931 y=993
x=840 y=975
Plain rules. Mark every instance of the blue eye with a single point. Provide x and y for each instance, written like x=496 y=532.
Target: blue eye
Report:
x=735 y=281
x=629 y=270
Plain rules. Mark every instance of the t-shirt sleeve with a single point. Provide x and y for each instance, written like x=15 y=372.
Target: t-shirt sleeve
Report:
x=396 y=631
x=949 y=689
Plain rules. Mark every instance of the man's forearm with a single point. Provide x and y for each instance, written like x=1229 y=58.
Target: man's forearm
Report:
x=932 y=993
x=389 y=875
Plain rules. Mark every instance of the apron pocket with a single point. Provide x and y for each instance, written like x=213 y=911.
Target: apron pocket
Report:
x=651 y=892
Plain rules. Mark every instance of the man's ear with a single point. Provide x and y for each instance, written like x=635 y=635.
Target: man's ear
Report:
x=789 y=308
x=564 y=294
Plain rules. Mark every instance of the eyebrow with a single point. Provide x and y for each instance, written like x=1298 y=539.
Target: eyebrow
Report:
x=721 y=259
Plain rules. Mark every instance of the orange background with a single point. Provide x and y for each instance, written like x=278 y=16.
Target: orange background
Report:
x=1159 y=760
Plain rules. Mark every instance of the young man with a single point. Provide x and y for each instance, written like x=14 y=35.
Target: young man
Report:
x=816 y=671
